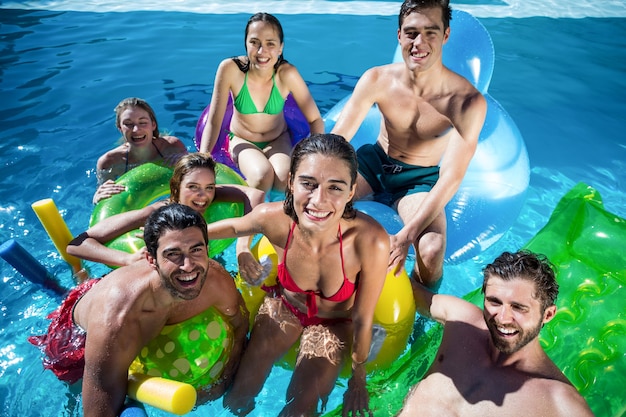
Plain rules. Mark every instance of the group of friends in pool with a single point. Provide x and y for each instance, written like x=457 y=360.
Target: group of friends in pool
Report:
x=333 y=259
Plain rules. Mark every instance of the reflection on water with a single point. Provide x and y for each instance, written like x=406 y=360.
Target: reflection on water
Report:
x=61 y=74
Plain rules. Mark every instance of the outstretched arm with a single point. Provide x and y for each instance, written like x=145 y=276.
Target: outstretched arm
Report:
x=249 y=196
x=356 y=109
x=467 y=123
x=372 y=247
x=249 y=268
x=301 y=94
x=90 y=245
x=442 y=307
x=219 y=100
x=262 y=219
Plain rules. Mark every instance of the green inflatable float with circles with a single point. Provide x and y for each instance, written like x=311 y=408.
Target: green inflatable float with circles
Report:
x=194 y=352
x=586 y=338
x=149 y=183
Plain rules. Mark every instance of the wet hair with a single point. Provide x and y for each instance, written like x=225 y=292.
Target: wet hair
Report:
x=527 y=265
x=267 y=18
x=171 y=217
x=327 y=144
x=136 y=102
x=184 y=166
x=410 y=6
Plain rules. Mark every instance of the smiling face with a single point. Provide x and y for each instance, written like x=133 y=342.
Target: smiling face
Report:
x=321 y=188
x=182 y=262
x=422 y=37
x=513 y=314
x=263 y=45
x=197 y=189
x=136 y=126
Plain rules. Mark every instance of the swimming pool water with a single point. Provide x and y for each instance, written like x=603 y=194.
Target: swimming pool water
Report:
x=62 y=72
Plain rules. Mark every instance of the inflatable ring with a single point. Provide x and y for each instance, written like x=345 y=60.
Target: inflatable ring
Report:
x=296 y=122
x=585 y=339
x=394 y=314
x=194 y=352
x=493 y=190
x=150 y=182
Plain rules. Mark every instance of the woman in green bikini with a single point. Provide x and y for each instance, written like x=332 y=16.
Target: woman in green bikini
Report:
x=260 y=143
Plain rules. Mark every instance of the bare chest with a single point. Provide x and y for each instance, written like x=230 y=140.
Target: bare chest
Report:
x=414 y=130
x=467 y=386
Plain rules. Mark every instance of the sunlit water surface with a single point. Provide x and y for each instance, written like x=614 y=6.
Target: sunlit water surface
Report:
x=63 y=69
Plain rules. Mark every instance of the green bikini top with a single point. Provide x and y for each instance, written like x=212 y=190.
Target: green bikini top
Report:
x=244 y=104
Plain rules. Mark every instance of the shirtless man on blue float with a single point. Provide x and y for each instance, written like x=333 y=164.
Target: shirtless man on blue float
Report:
x=432 y=118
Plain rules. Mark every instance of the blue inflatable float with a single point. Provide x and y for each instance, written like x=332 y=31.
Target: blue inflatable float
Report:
x=494 y=188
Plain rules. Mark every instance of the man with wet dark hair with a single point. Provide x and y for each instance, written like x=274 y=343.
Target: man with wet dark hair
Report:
x=105 y=323
x=431 y=120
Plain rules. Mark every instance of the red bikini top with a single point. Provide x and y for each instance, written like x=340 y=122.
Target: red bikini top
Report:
x=344 y=293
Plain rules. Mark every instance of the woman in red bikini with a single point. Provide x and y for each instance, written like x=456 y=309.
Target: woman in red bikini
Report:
x=259 y=141
x=332 y=270
x=142 y=143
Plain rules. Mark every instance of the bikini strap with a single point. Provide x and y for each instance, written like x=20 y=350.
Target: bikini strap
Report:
x=311 y=304
x=157 y=149
x=243 y=67
x=343 y=269
x=127 y=156
x=293 y=226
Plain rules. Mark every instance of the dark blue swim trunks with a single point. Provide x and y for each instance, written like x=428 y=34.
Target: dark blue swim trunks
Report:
x=391 y=179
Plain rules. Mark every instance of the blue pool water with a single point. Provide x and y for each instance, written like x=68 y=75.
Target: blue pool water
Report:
x=559 y=73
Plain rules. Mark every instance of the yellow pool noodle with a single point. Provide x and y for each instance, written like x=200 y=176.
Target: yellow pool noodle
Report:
x=58 y=231
x=171 y=396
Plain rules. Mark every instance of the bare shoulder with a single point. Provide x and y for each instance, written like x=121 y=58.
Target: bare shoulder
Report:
x=367 y=224
x=230 y=64
x=172 y=140
x=464 y=93
x=288 y=75
x=219 y=290
x=274 y=217
x=286 y=69
x=111 y=158
x=369 y=234
x=270 y=211
x=449 y=308
x=270 y=220
x=217 y=272
x=219 y=282
x=383 y=84
x=382 y=73
x=457 y=83
x=115 y=297
x=228 y=71
x=565 y=398
x=174 y=145
x=171 y=148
